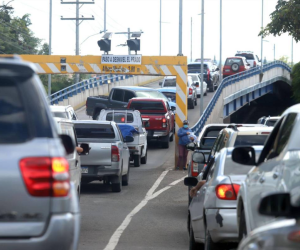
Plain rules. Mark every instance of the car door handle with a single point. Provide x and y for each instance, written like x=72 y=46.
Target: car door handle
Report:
x=275 y=175
x=262 y=179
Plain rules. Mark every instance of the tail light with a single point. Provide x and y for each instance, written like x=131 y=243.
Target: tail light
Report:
x=254 y=64
x=123 y=119
x=294 y=236
x=44 y=176
x=115 y=154
x=227 y=191
x=208 y=74
x=190 y=91
x=194 y=169
x=164 y=123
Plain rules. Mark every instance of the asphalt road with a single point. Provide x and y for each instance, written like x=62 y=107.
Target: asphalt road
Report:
x=150 y=213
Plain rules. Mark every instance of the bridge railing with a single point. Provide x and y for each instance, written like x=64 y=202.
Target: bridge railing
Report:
x=232 y=80
x=79 y=87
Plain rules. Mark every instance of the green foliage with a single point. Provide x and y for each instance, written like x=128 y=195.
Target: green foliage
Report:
x=285 y=19
x=296 y=82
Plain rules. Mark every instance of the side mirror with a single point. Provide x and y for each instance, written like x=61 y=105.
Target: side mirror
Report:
x=68 y=143
x=160 y=83
x=128 y=139
x=190 y=181
x=248 y=64
x=191 y=146
x=198 y=157
x=86 y=148
x=173 y=108
x=278 y=205
x=217 y=69
x=244 y=156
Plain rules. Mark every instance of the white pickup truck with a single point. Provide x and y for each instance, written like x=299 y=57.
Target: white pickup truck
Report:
x=138 y=148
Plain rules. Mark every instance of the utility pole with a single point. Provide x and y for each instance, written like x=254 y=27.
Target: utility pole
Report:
x=104 y=15
x=180 y=29
x=50 y=44
x=220 y=63
x=191 y=39
x=160 y=27
x=262 y=26
x=77 y=19
x=202 y=61
x=129 y=52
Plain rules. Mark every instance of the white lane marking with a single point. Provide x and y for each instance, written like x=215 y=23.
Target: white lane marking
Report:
x=113 y=242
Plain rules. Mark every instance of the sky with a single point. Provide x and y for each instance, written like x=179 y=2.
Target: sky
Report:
x=241 y=25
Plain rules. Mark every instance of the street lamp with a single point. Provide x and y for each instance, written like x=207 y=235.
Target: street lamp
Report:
x=202 y=61
x=262 y=26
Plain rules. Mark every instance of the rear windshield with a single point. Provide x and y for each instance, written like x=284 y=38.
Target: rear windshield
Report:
x=207 y=142
x=232 y=168
x=195 y=78
x=212 y=133
x=151 y=94
x=196 y=68
x=13 y=125
x=119 y=117
x=271 y=123
x=170 y=95
x=231 y=61
x=60 y=114
x=170 y=83
x=144 y=105
x=95 y=131
x=250 y=140
x=247 y=56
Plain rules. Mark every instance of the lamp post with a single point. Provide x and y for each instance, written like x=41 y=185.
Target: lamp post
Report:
x=262 y=25
x=220 y=64
x=202 y=61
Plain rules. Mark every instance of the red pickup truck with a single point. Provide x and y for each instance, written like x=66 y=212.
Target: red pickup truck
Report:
x=158 y=118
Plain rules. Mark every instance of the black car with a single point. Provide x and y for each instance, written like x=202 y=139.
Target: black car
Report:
x=211 y=73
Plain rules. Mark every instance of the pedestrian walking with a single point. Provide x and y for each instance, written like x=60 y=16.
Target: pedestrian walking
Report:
x=186 y=136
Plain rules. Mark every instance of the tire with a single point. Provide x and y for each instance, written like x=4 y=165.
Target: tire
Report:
x=196 y=101
x=242 y=226
x=172 y=137
x=192 y=106
x=117 y=187
x=137 y=160
x=205 y=93
x=212 y=88
x=198 y=96
x=96 y=114
x=235 y=67
x=209 y=244
x=144 y=159
x=166 y=141
x=193 y=245
x=125 y=178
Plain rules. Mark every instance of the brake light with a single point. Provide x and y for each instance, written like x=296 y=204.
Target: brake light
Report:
x=190 y=91
x=123 y=119
x=44 y=176
x=194 y=169
x=254 y=64
x=265 y=133
x=208 y=74
x=164 y=123
x=294 y=236
x=115 y=154
x=227 y=191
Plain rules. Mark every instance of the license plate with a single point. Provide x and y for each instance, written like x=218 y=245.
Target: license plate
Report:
x=84 y=170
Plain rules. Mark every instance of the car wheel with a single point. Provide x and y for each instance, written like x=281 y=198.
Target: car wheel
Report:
x=242 y=226
x=193 y=245
x=209 y=244
x=212 y=88
x=137 y=160
x=172 y=137
x=192 y=106
x=166 y=141
x=198 y=96
x=144 y=159
x=196 y=101
x=205 y=92
x=235 y=67
x=125 y=178
x=117 y=187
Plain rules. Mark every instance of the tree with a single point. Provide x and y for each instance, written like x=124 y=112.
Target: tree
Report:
x=285 y=19
x=296 y=81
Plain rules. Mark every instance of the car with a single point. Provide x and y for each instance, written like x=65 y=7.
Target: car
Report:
x=170 y=82
x=211 y=73
x=158 y=118
x=108 y=158
x=212 y=212
x=197 y=82
x=66 y=112
x=40 y=207
x=234 y=65
x=277 y=235
x=169 y=93
x=276 y=170
x=251 y=58
x=268 y=121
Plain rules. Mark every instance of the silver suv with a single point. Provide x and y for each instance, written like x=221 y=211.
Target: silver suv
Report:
x=39 y=205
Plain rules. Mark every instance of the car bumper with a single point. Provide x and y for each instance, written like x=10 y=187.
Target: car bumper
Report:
x=155 y=134
x=222 y=225
x=62 y=234
x=98 y=172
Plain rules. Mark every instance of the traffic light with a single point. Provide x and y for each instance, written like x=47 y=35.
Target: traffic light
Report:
x=134 y=44
x=104 y=44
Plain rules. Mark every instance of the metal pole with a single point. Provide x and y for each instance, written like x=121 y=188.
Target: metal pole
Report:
x=160 y=27
x=50 y=44
x=180 y=28
x=77 y=36
x=262 y=25
x=292 y=56
x=104 y=15
x=191 y=39
x=220 y=64
x=128 y=39
x=202 y=61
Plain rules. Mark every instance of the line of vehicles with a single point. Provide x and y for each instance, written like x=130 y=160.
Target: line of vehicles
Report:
x=247 y=181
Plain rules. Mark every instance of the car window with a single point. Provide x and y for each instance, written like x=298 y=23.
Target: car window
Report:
x=230 y=61
x=60 y=114
x=13 y=125
x=207 y=142
x=232 y=168
x=119 y=117
x=250 y=140
x=223 y=140
x=95 y=131
x=196 y=68
x=147 y=105
x=213 y=150
x=170 y=95
x=170 y=82
x=285 y=132
x=128 y=95
x=212 y=133
x=271 y=123
x=195 y=78
x=247 y=56
x=118 y=95
x=67 y=129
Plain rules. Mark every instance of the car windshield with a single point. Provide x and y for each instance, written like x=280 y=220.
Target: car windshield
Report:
x=170 y=83
x=250 y=140
x=231 y=61
x=60 y=114
x=95 y=131
x=119 y=117
x=151 y=94
x=247 y=56
x=170 y=95
x=196 y=68
x=147 y=105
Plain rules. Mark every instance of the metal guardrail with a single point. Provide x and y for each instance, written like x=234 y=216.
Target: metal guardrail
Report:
x=229 y=81
x=83 y=85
